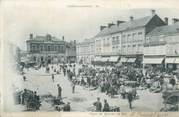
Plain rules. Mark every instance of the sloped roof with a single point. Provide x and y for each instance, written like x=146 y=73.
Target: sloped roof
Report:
x=87 y=41
x=165 y=30
x=125 y=26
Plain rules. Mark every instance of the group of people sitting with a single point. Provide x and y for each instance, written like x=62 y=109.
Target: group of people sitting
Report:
x=30 y=99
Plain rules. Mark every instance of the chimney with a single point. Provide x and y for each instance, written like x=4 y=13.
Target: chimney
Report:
x=175 y=20
x=119 y=22
x=31 y=36
x=153 y=12
x=102 y=27
x=131 y=18
x=63 y=38
x=49 y=37
x=166 y=20
x=110 y=24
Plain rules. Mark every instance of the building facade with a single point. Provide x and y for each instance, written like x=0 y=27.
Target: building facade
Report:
x=125 y=39
x=71 y=52
x=162 y=46
x=85 y=51
x=46 y=49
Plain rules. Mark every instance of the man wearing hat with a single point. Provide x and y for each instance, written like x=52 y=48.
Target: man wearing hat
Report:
x=98 y=105
x=59 y=90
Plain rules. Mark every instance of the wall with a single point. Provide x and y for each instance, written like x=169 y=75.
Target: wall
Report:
x=132 y=41
x=155 y=50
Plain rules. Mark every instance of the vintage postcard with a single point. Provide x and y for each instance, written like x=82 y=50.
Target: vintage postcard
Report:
x=89 y=58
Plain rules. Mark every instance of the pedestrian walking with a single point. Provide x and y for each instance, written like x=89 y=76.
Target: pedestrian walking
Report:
x=106 y=107
x=59 y=90
x=98 y=105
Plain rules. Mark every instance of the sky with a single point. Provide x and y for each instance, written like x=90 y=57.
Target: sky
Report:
x=74 y=23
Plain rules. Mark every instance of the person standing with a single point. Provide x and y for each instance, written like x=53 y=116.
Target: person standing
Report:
x=24 y=78
x=130 y=98
x=53 y=77
x=67 y=107
x=73 y=87
x=106 y=106
x=98 y=105
x=59 y=90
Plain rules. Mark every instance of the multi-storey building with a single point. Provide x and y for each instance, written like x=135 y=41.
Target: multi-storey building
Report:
x=126 y=38
x=46 y=49
x=71 y=51
x=162 y=46
x=85 y=51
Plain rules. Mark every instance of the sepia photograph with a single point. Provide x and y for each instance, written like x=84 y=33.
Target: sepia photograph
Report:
x=89 y=58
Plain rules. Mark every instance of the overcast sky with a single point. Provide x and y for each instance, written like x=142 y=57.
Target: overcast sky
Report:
x=75 y=23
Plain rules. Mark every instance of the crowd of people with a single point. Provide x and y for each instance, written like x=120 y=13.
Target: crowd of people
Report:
x=124 y=80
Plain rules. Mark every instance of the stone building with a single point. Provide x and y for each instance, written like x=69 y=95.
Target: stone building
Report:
x=161 y=47
x=85 y=51
x=46 y=49
x=125 y=40
x=71 y=52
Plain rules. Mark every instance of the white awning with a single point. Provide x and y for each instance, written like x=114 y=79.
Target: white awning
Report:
x=123 y=60
x=113 y=59
x=131 y=60
x=23 y=59
x=170 y=60
x=177 y=60
x=104 y=59
x=153 y=60
x=97 y=59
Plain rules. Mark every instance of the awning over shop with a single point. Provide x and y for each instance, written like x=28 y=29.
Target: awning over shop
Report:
x=97 y=59
x=170 y=60
x=131 y=60
x=104 y=59
x=177 y=60
x=153 y=60
x=113 y=58
x=123 y=60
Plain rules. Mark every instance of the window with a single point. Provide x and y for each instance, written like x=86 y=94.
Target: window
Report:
x=139 y=33
x=41 y=48
x=48 y=48
x=129 y=46
x=134 y=45
x=123 y=46
x=113 y=38
x=139 y=45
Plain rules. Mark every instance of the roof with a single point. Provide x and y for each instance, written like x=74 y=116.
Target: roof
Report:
x=165 y=30
x=125 y=26
x=44 y=38
x=87 y=41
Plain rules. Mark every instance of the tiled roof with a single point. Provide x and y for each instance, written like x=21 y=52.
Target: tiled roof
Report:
x=165 y=30
x=125 y=26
